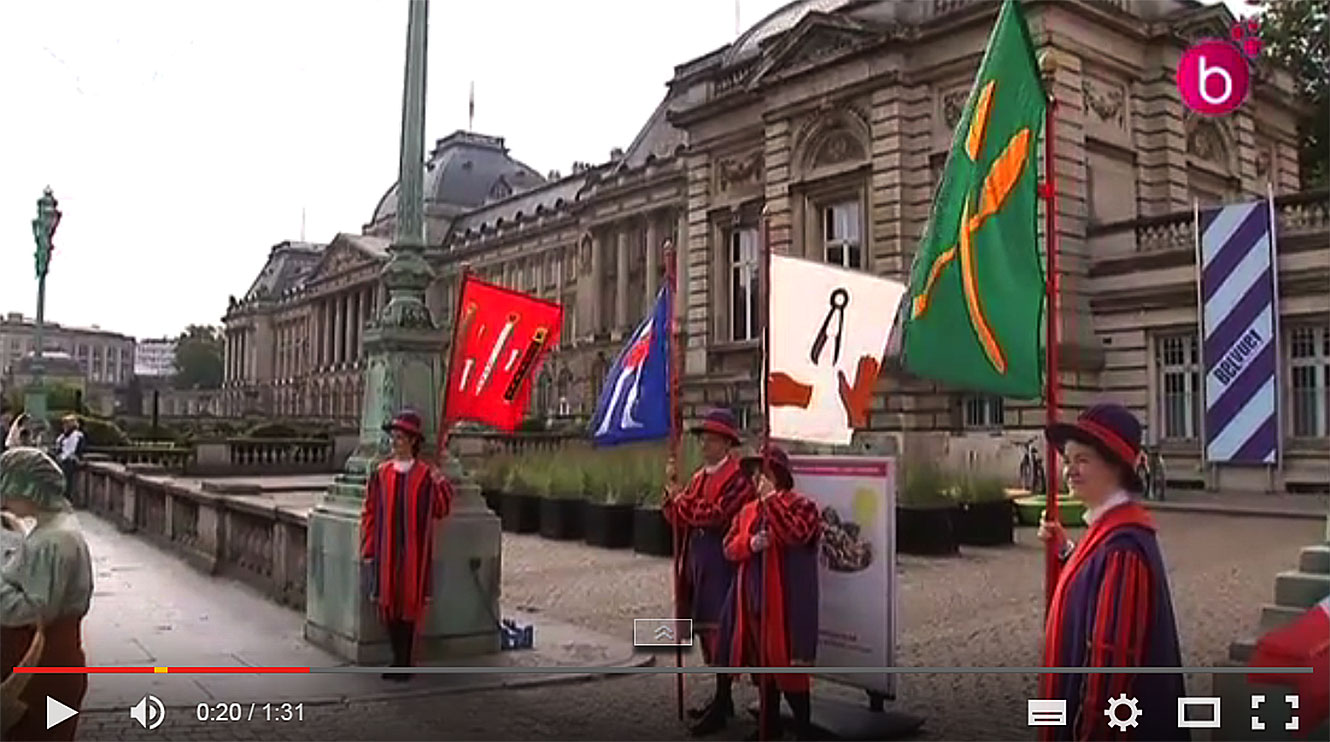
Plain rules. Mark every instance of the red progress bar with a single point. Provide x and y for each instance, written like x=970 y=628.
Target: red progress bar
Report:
x=161 y=670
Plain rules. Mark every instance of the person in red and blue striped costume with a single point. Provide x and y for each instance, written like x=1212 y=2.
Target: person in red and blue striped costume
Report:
x=701 y=514
x=404 y=499
x=1111 y=605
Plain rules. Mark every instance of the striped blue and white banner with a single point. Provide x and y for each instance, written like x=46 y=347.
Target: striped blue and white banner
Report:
x=1239 y=322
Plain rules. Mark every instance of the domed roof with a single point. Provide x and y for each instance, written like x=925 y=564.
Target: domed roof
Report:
x=465 y=171
x=783 y=19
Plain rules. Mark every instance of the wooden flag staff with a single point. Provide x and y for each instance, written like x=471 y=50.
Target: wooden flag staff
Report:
x=1048 y=64
x=672 y=281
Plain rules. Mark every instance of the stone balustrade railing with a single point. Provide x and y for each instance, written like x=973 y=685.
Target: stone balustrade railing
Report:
x=471 y=445
x=241 y=537
x=230 y=456
x=1296 y=214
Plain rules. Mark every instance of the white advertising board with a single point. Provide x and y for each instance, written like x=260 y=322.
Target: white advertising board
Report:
x=856 y=563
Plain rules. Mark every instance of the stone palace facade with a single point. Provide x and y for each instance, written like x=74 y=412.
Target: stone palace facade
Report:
x=836 y=117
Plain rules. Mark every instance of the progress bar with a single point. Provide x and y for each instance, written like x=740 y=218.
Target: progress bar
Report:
x=663 y=670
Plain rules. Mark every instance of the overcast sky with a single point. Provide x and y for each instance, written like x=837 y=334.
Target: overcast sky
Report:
x=183 y=138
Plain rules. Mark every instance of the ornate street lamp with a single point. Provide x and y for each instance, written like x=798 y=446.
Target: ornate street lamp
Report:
x=43 y=231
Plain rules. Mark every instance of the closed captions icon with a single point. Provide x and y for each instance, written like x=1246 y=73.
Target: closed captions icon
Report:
x=1046 y=712
x=148 y=712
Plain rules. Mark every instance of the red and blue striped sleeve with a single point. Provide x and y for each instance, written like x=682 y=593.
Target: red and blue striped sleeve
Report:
x=368 y=517
x=794 y=519
x=695 y=509
x=1118 y=632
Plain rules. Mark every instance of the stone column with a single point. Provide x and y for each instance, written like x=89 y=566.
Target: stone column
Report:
x=652 y=279
x=621 y=280
x=353 y=330
x=598 y=321
x=339 y=329
x=680 y=263
x=228 y=356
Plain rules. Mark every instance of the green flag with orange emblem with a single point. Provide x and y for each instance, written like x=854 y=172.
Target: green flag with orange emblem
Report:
x=977 y=286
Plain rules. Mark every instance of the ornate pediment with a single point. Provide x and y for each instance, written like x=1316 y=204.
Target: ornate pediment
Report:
x=343 y=254
x=1211 y=22
x=815 y=40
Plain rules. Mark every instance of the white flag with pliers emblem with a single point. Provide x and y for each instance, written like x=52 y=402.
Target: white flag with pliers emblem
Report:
x=829 y=332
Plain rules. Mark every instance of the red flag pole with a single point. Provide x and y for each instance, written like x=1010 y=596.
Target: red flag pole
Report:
x=441 y=442
x=1052 y=322
x=672 y=281
x=763 y=732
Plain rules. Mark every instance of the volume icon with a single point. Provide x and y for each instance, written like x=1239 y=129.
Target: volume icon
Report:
x=148 y=712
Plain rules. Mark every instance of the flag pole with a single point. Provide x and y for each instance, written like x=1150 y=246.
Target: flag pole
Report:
x=763 y=732
x=441 y=442
x=1051 y=324
x=672 y=281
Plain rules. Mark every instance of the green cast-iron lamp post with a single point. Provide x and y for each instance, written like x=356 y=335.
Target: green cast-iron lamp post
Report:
x=404 y=349
x=43 y=231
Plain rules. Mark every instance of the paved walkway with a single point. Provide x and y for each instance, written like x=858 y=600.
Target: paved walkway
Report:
x=982 y=608
x=150 y=609
x=1311 y=507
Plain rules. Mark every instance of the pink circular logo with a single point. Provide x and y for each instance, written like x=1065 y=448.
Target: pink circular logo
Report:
x=1213 y=78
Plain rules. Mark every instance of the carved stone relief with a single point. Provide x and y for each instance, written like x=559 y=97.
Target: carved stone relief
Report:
x=819 y=46
x=584 y=258
x=953 y=105
x=1265 y=157
x=743 y=170
x=1206 y=141
x=837 y=146
x=1107 y=100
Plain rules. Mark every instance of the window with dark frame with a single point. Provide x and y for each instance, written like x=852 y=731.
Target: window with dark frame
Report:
x=744 y=260
x=1309 y=374
x=983 y=412
x=1178 y=383
x=842 y=234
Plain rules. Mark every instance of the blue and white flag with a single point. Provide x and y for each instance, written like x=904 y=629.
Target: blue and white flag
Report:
x=1238 y=324
x=634 y=402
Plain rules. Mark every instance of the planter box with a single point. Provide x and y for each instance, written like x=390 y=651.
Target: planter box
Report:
x=926 y=531
x=520 y=513
x=609 y=526
x=652 y=534
x=561 y=518
x=990 y=523
x=1070 y=511
x=493 y=499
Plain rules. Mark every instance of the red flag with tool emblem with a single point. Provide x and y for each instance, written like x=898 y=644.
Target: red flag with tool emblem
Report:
x=500 y=338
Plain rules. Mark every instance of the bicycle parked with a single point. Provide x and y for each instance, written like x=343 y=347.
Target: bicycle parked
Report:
x=1033 y=476
x=1150 y=468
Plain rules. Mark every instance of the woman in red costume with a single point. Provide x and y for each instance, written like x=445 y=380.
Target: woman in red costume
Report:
x=404 y=499
x=770 y=618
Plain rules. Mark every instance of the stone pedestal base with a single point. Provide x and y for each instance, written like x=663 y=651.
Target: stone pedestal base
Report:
x=463 y=618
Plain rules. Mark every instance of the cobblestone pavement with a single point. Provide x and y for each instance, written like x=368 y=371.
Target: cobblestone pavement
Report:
x=982 y=608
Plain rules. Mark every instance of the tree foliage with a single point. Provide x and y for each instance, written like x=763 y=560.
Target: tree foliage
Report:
x=1294 y=34
x=198 y=358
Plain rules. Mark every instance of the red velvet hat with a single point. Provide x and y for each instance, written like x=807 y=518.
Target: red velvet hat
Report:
x=1112 y=430
x=406 y=421
x=721 y=422
x=773 y=457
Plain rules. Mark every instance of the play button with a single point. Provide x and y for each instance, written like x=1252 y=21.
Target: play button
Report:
x=57 y=712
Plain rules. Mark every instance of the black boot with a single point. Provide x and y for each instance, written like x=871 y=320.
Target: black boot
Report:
x=724 y=683
x=716 y=714
x=769 y=725
x=802 y=706
x=400 y=635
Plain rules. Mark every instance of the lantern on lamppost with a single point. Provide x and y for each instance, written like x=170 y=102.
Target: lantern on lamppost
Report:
x=43 y=232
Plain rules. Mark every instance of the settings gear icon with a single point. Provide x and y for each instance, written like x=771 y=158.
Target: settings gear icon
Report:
x=1112 y=712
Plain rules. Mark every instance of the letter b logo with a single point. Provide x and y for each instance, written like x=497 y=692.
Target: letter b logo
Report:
x=1213 y=78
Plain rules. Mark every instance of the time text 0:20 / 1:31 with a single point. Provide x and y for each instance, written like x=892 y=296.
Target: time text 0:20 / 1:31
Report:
x=250 y=712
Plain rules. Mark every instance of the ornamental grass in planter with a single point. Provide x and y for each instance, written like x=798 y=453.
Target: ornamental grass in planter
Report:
x=492 y=476
x=925 y=511
x=613 y=487
x=519 y=509
x=562 y=501
x=984 y=516
x=652 y=534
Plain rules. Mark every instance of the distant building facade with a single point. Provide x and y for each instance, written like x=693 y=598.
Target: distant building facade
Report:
x=104 y=359
x=154 y=357
x=835 y=117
